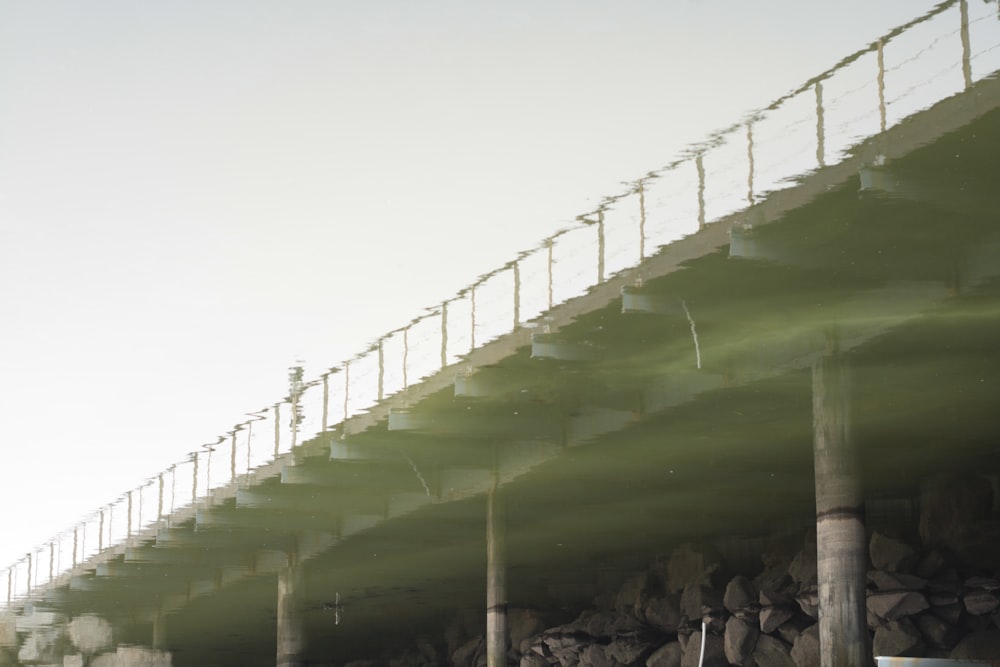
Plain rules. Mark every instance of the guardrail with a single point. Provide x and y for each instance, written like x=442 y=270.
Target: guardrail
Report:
x=934 y=56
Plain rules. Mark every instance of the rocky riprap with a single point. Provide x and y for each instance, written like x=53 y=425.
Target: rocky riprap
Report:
x=931 y=601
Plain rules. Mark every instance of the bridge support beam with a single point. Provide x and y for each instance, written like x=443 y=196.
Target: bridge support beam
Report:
x=496 y=578
x=290 y=630
x=840 y=531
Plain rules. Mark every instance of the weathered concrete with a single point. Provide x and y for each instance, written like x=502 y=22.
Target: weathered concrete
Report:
x=840 y=533
x=496 y=578
x=290 y=632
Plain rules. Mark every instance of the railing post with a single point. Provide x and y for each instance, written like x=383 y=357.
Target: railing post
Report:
x=326 y=399
x=232 y=460
x=76 y=537
x=159 y=502
x=966 y=49
x=347 y=389
x=472 y=337
x=600 y=246
x=406 y=356
x=517 y=295
x=548 y=243
x=128 y=534
x=444 y=334
x=194 y=479
x=820 y=129
x=277 y=429
x=750 y=163
x=881 y=85
x=642 y=222
x=30 y=557
x=700 y=166
x=381 y=370
x=100 y=533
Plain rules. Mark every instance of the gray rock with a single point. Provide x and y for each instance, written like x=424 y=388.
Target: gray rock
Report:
x=898 y=638
x=594 y=655
x=890 y=554
x=698 y=601
x=931 y=564
x=740 y=594
x=789 y=631
x=533 y=660
x=664 y=613
x=91 y=634
x=715 y=651
x=773 y=616
x=466 y=653
x=937 y=633
x=802 y=569
x=523 y=623
x=772 y=652
x=805 y=650
x=808 y=600
x=631 y=598
x=739 y=640
x=981 y=601
x=628 y=652
x=896 y=581
x=668 y=655
x=692 y=564
x=950 y=613
x=984 y=645
x=893 y=605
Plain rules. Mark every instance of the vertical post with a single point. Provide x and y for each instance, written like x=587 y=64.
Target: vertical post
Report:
x=76 y=543
x=472 y=298
x=159 y=502
x=232 y=465
x=290 y=632
x=548 y=243
x=406 y=356
x=194 y=479
x=820 y=129
x=966 y=49
x=381 y=371
x=326 y=398
x=347 y=391
x=160 y=630
x=517 y=296
x=128 y=524
x=100 y=533
x=840 y=532
x=642 y=222
x=444 y=334
x=600 y=246
x=700 y=165
x=881 y=85
x=277 y=429
x=496 y=578
x=750 y=163
x=30 y=556
x=52 y=560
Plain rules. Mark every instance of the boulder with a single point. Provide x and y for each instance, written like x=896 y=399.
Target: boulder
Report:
x=628 y=651
x=739 y=640
x=805 y=650
x=740 y=595
x=890 y=554
x=772 y=652
x=898 y=638
x=893 y=605
x=668 y=655
x=464 y=655
x=983 y=645
x=693 y=564
x=698 y=600
x=980 y=601
x=937 y=633
x=802 y=569
x=808 y=599
x=664 y=613
x=533 y=660
x=91 y=634
x=523 y=623
x=896 y=581
x=715 y=651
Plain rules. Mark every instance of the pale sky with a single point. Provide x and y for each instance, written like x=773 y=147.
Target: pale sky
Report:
x=193 y=194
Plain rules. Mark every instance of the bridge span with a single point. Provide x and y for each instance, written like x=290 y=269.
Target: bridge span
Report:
x=789 y=330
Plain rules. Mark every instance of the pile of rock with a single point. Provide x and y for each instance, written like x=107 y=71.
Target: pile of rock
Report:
x=920 y=603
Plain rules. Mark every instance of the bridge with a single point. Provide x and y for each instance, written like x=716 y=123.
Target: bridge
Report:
x=791 y=326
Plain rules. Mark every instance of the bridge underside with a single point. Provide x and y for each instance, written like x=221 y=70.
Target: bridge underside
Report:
x=688 y=416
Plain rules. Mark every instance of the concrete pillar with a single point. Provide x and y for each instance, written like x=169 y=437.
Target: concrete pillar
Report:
x=496 y=579
x=290 y=632
x=840 y=531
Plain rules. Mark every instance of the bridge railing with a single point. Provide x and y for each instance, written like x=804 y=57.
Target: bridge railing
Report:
x=930 y=58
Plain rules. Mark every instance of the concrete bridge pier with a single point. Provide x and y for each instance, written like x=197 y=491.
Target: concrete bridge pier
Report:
x=290 y=630
x=840 y=531
x=496 y=577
